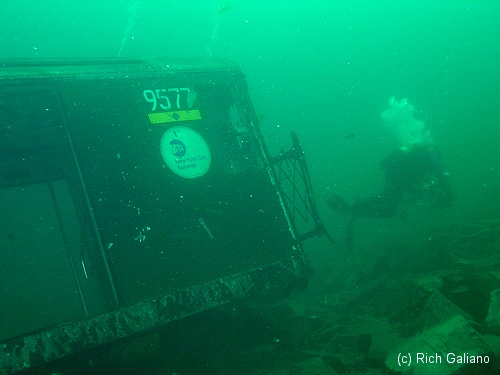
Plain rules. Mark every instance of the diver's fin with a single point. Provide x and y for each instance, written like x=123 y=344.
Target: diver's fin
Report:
x=338 y=204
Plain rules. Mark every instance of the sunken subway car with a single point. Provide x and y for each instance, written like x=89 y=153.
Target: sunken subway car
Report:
x=134 y=193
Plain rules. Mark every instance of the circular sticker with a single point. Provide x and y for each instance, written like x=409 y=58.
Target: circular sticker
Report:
x=185 y=152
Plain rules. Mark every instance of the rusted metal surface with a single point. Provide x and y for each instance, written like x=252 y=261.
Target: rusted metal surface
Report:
x=73 y=337
x=61 y=84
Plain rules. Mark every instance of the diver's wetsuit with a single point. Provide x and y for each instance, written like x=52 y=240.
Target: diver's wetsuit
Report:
x=405 y=173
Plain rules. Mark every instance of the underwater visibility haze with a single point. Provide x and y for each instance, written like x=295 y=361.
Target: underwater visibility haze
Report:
x=322 y=69
x=355 y=80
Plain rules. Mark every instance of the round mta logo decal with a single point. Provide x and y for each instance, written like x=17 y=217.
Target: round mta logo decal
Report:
x=185 y=152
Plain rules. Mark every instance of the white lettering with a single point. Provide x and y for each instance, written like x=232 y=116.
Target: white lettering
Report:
x=163 y=97
x=466 y=358
x=429 y=358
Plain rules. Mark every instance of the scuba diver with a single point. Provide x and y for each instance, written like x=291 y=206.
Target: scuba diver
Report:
x=416 y=172
x=413 y=171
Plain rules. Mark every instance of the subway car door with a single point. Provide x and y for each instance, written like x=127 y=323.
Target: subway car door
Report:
x=44 y=247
